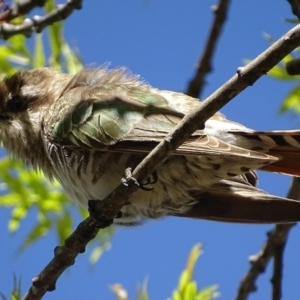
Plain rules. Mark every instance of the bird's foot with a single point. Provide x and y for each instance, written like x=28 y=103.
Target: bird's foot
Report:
x=128 y=179
x=152 y=179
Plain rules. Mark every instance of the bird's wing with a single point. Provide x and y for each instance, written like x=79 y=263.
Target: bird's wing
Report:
x=130 y=120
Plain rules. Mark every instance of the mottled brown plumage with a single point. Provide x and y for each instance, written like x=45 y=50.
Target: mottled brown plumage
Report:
x=85 y=130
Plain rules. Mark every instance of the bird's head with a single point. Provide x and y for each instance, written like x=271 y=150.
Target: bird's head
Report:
x=25 y=98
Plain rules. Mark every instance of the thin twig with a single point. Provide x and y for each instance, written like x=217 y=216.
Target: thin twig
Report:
x=295 y=5
x=276 y=239
x=111 y=205
x=204 y=65
x=38 y=23
x=282 y=231
x=278 y=268
x=20 y=8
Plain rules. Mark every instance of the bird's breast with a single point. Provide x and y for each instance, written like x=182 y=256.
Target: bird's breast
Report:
x=89 y=174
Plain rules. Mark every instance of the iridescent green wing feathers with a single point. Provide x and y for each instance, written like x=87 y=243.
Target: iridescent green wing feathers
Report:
x=99 y=117
x=129 y=119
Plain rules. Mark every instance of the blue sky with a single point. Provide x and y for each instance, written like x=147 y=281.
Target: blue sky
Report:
x=162 y=40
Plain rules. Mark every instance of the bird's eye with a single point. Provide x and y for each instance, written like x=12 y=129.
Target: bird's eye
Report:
x=16 y=103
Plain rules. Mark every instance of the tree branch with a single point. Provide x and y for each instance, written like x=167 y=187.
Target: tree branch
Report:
x=37 y=23
x=282 y=231
x=108 y=208
x=204 y=65
x=295 y=5
x=20 y=8
x=274 y=246
x=278 y=249
x=63 y=258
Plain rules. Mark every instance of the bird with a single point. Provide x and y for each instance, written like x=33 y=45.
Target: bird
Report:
x=86 y=129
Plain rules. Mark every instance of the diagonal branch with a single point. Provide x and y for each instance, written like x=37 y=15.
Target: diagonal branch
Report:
x=37 y=23
x=274 y=246
x=108 y=208
x=204 y=65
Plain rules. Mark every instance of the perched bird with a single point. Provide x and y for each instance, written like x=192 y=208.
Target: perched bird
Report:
x=86 y=129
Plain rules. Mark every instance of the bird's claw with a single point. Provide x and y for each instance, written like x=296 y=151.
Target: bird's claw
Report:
x=128 y=179
x=152 y=180
x=119 y=215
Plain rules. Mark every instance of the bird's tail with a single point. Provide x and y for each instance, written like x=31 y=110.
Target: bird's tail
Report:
x=285 y=145
x=233 y=201
x=237 y=200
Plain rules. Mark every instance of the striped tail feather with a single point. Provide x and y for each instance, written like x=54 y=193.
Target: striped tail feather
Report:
x=285 y=145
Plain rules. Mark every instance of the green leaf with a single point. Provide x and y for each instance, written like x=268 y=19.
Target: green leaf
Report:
x=73 y=60
x=13 y=53
x=183 y=281
x=292 y=102
x=39 y=229
x=176 y=296
x=39 y=55
x=208 y=293
x=55 y=38
x=18 y=214
x=25 y=189
x=17 y=44
x=16 y=292
x=187 y=287
x=194 y=255
x=143 y=292
x=64 y=226
x=101 y=243
x=119 y=292
x=280 y=73
x=5 y=55
x=294 y=22
x=190 y=291
x=288 y=58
